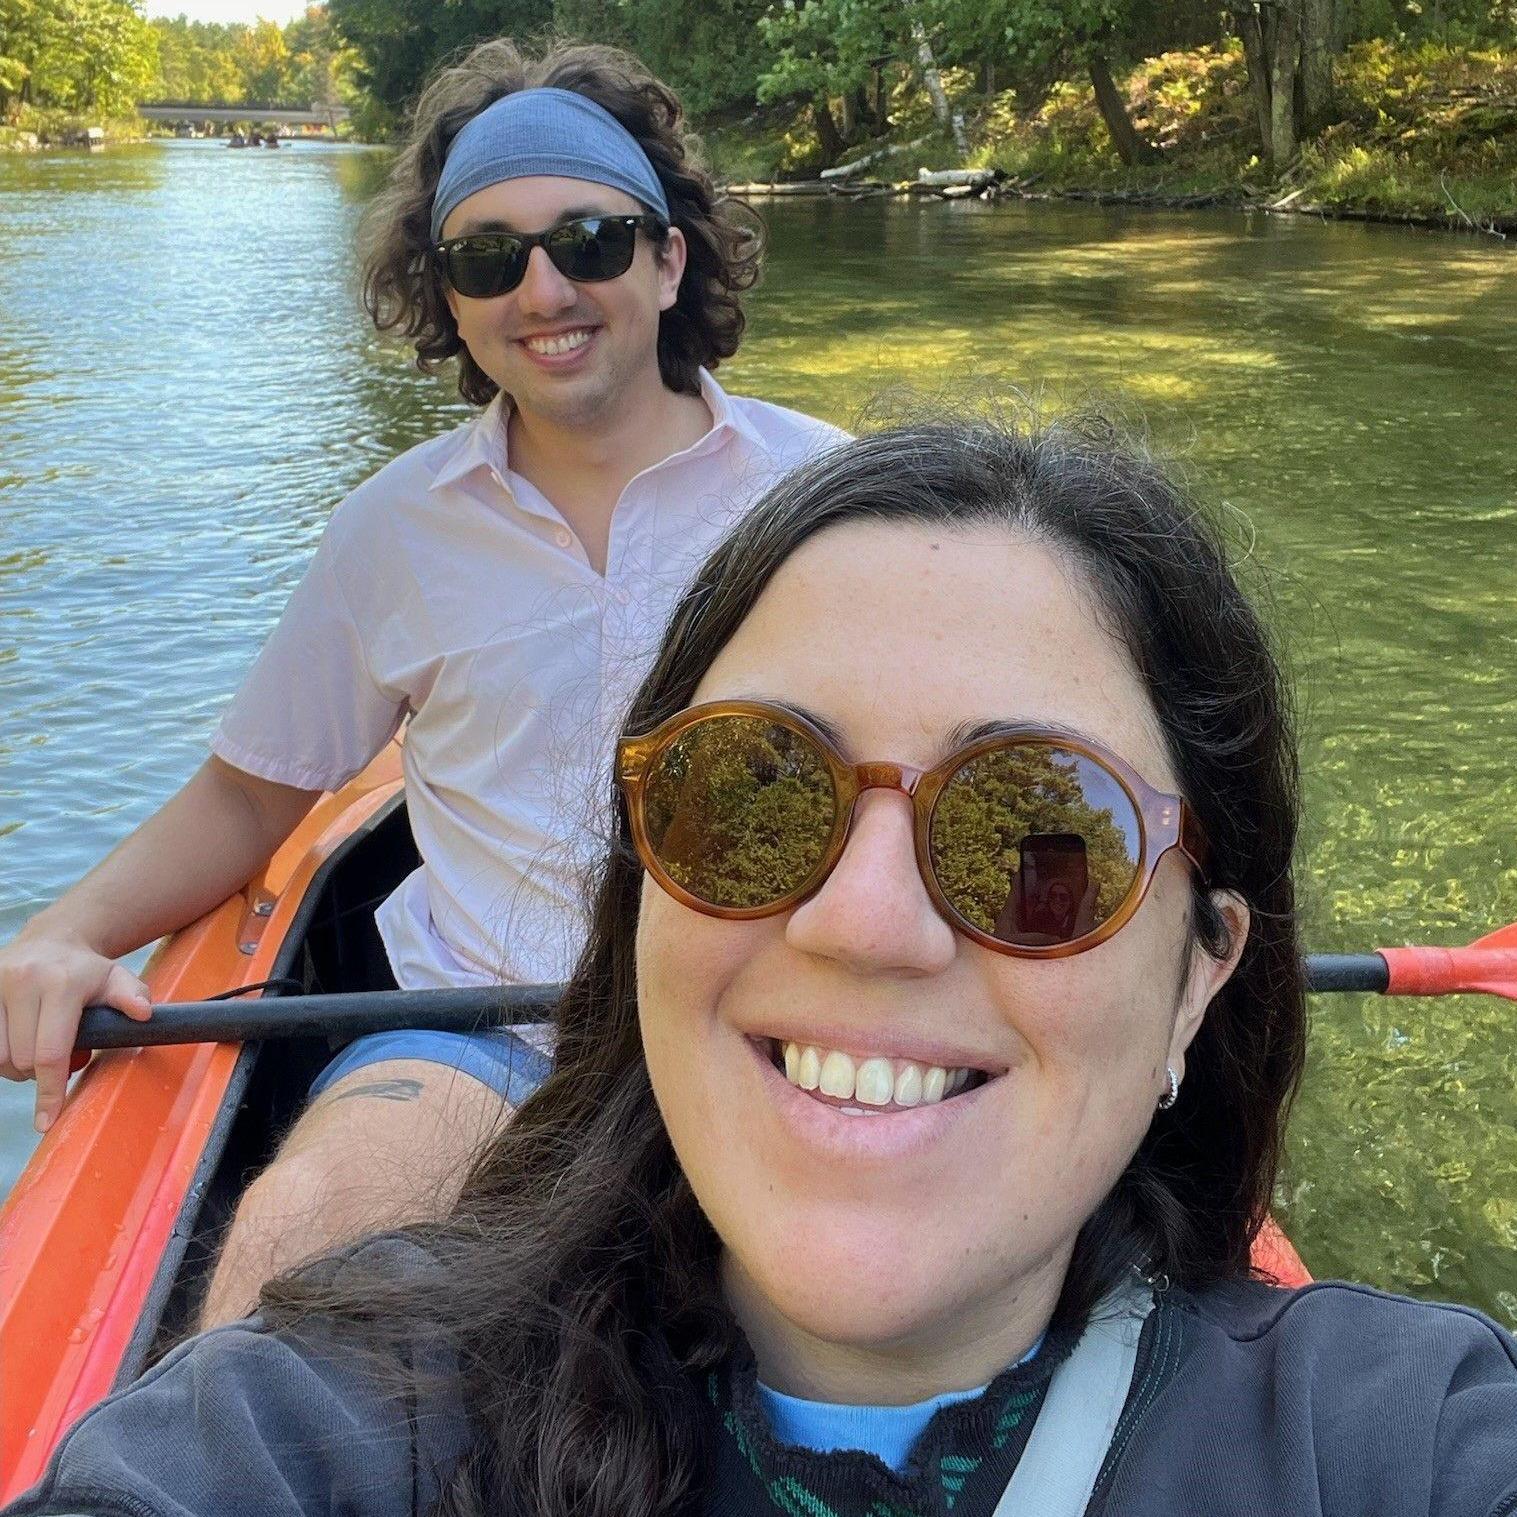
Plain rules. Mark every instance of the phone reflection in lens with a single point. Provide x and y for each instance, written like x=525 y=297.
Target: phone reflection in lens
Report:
x=1034 y=844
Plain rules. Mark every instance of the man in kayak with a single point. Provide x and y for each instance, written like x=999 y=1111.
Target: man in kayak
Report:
x=503 y=586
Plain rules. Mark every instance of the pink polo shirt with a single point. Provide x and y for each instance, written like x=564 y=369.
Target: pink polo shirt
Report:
x=448 y=589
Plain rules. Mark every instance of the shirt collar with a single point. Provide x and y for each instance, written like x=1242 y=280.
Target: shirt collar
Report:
x=725 y=417
x=481 y=443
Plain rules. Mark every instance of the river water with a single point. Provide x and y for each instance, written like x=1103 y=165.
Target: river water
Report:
x=187 y=387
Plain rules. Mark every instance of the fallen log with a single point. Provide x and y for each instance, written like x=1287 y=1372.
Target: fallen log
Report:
x=940 y=179
x=848 y=170
x=798 y=187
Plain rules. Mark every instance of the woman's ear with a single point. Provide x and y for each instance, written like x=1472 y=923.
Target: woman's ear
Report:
x=1206 y=975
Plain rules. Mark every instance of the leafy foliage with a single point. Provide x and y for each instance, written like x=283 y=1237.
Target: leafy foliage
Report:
x=827 y=47
x=301 y=64
x=709 y=51
x=81 y=55
x=400 y=42
x=1423 y=114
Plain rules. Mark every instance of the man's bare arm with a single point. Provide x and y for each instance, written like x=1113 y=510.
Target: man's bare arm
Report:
x=205 y=843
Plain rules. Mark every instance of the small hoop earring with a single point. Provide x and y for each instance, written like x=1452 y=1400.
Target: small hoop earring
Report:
x=1171 y=1095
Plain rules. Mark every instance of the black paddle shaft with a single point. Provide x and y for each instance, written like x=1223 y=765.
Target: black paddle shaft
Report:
x=349 y=1014
x=1347 y=971
x=355 y=1013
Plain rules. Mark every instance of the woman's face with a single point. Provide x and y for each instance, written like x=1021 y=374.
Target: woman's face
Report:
x=925 y=1247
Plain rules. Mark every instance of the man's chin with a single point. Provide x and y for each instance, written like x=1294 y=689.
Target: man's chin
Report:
x=563 y=400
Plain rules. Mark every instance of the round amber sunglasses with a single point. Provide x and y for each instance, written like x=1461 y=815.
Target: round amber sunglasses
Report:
x=1031 y=842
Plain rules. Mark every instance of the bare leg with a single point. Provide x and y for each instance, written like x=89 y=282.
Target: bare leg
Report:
x=387 y=1144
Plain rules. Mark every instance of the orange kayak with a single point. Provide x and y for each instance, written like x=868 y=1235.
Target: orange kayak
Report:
x=106 y=1237
x=106 y=1240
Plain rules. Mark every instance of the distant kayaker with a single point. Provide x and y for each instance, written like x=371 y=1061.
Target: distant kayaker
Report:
x=503 y=586
x=848 y=1196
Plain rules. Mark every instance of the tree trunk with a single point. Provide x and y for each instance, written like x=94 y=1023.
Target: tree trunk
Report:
x=881 y=101
x=987 y=76
x=850 y=115
x=1282 y=89
x=1131 y=148
x=827 y=131
x=950 y=120
x=1256 y=53
x=1317 y=28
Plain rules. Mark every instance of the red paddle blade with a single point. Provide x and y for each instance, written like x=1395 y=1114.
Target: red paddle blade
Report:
x=1503 y=937
x=1487 y=967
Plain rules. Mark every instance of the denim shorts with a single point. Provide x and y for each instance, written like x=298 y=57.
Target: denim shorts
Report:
x=512 y=1061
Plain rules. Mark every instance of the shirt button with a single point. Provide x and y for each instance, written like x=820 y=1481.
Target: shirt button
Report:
x=563 y=537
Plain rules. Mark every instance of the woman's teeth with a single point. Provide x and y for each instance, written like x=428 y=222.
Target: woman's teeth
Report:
x=564 y=342
x=874 y=1082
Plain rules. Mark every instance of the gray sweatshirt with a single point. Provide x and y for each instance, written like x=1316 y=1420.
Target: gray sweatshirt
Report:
x=1247 y=1401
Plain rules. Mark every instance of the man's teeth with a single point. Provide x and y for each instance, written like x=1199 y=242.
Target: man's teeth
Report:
x=565 y=342
x=874 y=1082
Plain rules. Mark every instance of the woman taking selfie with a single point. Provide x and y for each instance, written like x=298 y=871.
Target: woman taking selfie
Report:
x=917 y=1099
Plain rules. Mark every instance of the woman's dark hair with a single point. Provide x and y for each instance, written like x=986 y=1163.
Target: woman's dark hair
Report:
x=403 y=286
x=578 y=1273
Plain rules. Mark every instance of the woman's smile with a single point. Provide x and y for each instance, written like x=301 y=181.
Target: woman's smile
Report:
x=881 y=1084
x=835 y=1127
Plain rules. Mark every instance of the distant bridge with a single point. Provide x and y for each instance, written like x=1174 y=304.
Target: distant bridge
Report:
x=182 y=110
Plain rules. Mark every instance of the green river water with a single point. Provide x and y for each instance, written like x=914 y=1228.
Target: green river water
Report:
x=187 y=387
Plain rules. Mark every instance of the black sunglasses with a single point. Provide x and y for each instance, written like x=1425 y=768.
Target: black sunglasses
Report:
x=592 y=248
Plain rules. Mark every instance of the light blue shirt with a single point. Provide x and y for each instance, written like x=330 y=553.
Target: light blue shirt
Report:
x=888 y=1432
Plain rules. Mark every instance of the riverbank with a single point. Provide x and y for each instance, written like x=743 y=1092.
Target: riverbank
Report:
x=33 y=130
x=1427 y=136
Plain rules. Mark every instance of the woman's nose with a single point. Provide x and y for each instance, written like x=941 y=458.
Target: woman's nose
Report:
x=543 y=291
x=873 y=913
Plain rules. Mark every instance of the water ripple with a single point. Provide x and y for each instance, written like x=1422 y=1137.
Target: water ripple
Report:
x=187 y=386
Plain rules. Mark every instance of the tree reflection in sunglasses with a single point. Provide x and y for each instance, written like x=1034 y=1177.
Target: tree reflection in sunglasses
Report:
x=1029 y=842
x=1016 y=822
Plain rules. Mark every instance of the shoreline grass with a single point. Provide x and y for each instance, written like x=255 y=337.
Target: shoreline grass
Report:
x=1427 y=135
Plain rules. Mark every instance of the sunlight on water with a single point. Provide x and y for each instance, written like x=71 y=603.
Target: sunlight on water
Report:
x=179 y=413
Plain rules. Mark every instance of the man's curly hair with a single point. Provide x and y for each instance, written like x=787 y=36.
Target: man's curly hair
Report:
x=403 y=285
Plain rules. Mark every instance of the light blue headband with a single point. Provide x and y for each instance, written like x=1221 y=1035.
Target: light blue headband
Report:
x=544 y=131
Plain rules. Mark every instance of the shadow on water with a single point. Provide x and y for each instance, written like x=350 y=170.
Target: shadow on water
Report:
x=177 y=420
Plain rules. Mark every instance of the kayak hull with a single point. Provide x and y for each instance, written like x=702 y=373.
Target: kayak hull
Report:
x=101 y=1216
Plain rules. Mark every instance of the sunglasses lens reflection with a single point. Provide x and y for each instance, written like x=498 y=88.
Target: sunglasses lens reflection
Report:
x=480 y=267
x=593 y=250
x=739 y=811
x=1035 y=845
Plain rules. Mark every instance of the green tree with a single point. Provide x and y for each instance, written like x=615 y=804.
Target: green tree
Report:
x=1289 y=45
x=198 y=62
x=1045 y=40
x=263 y=58
x=92 y=55
x=739 y=811
x=820 y=50
x=321 y=62
x=400 y=42
x=707 y=50
x=20 y=29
